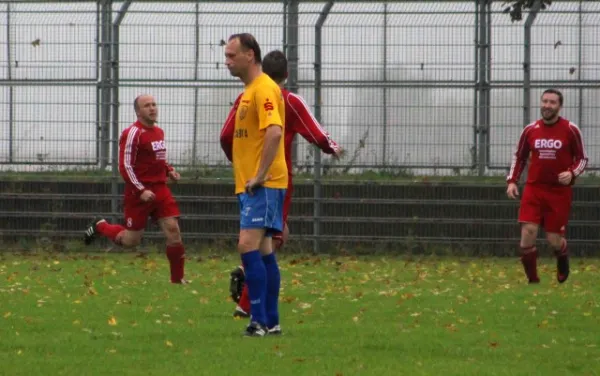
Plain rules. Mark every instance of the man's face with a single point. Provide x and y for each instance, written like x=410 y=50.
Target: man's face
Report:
x=147 y=109
x=550 y=106
x=236 y=59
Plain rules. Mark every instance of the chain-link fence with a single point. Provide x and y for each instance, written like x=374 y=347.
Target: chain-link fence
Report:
x=409 y=89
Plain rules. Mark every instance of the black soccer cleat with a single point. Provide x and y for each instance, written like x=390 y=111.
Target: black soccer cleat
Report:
x=90 y=231
x=562 y=268
x=256 y=330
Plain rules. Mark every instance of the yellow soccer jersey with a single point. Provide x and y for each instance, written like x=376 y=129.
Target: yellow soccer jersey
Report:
x=261 y=105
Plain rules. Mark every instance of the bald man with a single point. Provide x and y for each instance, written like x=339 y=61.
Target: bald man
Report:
x=144 y=168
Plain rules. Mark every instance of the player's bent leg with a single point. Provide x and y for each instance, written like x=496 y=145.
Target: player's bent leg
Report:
x=99 y=226
x=239 y=292
x=175 y=251
x=116 y=233
x=281 y=238
x=529 y=254
x=256 y=278
x=273 y=285
x=559 y=244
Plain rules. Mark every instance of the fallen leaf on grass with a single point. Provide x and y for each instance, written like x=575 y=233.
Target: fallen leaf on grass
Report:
x=112 y=321
x=169 y=343
x=288 y=299
x=7 y=315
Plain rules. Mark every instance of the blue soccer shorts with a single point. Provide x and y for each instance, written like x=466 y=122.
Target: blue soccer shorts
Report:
x=262 y=209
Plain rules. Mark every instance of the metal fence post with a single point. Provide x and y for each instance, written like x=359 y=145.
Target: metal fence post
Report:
x=105 y=77
x=385 y=90
x=196 y=90
x=291 y=49
x=318 y=100
x=579 y=64
x=527 y=61
x=114 y=186
x=483 y=84
x=11 y=101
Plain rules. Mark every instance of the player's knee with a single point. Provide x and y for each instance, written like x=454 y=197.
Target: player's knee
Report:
x=173 y=234
x=129 y=239
x=528 y=231
x=554 y=240
x=250 y=240
x=278 y=242
x=171 y=231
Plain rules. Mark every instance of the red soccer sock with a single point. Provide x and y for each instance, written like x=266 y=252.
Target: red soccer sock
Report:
x=176 y=257
x=110 y=231
x=529 y=260
x=245 y=299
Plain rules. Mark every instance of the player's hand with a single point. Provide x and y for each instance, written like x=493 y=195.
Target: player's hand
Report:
x=255 y=182
x=340 y=153
x=565 y=178
x=174 y=175
x=147 y=196
x=512 y=191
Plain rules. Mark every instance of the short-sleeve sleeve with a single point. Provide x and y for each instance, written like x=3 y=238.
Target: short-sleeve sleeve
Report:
x=266 y=99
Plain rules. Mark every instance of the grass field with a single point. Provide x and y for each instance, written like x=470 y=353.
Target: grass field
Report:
x=115 y=314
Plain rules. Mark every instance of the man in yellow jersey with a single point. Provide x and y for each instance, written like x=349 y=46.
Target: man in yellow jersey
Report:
x=261 y=179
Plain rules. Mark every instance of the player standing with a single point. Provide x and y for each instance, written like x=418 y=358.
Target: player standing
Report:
x=298 y=120
x=261 y=179
x=143 y=165
x=557 y=158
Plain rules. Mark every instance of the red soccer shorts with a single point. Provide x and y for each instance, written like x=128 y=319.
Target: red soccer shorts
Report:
x=137 y=211
x=546 y=206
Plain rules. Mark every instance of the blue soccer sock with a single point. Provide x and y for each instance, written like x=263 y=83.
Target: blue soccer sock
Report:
x=273 y=284
x=256 y=279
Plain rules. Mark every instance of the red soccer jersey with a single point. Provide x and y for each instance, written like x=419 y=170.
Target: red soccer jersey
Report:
x=298 y=120
x=143 y=156
x=554 y=149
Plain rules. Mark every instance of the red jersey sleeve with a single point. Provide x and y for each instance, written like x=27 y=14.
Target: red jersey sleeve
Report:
x=520 y=157
x=128 y=145
x=228 y=128
x=309 y=127
x=580 y=158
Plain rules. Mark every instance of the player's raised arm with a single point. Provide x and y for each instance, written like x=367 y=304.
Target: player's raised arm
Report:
x=226 y=137
x=128 y=145
x=271 y=123
x=580 y=158
x=309 y=128
x=520 y=157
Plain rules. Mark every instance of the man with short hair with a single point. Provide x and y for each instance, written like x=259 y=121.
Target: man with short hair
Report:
x=261 y=179
x=557 y=158
x=144 y=168
x=298 y=120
